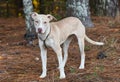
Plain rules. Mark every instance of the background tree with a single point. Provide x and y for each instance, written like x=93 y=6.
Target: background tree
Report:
x=80 y=9
x=18 y=7
x=105 y=7
x=42 y=6
x=28 y=9
x=117 y=17
x=109 y=8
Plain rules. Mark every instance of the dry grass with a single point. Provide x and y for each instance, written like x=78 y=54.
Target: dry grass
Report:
x=18 y=62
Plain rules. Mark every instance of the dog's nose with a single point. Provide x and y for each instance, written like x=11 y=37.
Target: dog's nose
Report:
x=39 y=30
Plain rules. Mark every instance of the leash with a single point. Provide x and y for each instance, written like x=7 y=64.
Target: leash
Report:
x=46 y=38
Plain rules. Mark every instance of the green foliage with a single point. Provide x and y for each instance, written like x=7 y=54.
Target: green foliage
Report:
x=87 y=48
x=95 y=74
x=55 y=7
x=15 y=7
x=10 y=8
x=72 y=70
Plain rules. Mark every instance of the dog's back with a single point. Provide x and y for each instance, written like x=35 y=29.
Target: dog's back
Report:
x=66 y=27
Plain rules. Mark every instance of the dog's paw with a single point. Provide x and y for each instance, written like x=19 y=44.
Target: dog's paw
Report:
x=62 y=73
x=43 y=76
x=81 y=67
x=62 y=76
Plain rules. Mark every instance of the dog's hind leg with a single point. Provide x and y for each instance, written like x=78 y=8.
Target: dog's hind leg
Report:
x=81 y=46
x=65 y=50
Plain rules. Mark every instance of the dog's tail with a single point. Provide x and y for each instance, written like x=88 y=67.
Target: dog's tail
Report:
x=93 y=42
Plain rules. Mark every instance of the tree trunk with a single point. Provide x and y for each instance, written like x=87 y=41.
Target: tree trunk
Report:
x=105 y=7
x=28 y=9
x=7 y=9
x=117 y=17
x=42 y=7
x=18 y=7
x=80 y=9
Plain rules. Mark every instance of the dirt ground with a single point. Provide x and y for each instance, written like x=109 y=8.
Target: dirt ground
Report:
x=18 y=60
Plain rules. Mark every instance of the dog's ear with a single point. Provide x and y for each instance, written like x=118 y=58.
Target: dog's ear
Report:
x=34 y=15
x=50 y=17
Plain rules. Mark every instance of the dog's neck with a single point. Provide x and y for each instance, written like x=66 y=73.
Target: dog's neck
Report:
x=45 y=35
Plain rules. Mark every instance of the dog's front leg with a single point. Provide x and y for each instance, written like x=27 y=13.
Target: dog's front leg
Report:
x=43 y=58
x=58 y=51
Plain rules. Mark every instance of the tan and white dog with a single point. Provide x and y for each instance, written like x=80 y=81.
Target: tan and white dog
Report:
x=53 y=34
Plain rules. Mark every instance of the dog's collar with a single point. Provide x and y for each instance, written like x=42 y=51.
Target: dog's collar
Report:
x=46 y=39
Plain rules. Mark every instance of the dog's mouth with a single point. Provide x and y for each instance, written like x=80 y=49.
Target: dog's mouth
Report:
x=40 y=32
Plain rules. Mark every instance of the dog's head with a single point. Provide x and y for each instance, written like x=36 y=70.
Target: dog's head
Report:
x=41 y=21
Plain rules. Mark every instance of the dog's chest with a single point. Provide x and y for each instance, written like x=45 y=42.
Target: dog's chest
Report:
x=49 y=42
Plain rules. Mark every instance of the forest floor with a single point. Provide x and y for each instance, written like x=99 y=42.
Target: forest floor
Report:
x=18 y=61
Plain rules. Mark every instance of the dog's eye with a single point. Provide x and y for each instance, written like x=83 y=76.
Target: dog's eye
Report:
x=45 y=22
x=36 y=21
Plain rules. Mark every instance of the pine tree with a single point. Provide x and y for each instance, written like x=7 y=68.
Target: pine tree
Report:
x=80 y=9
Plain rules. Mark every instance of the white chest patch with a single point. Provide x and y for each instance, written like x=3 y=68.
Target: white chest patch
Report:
x=49 y=42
